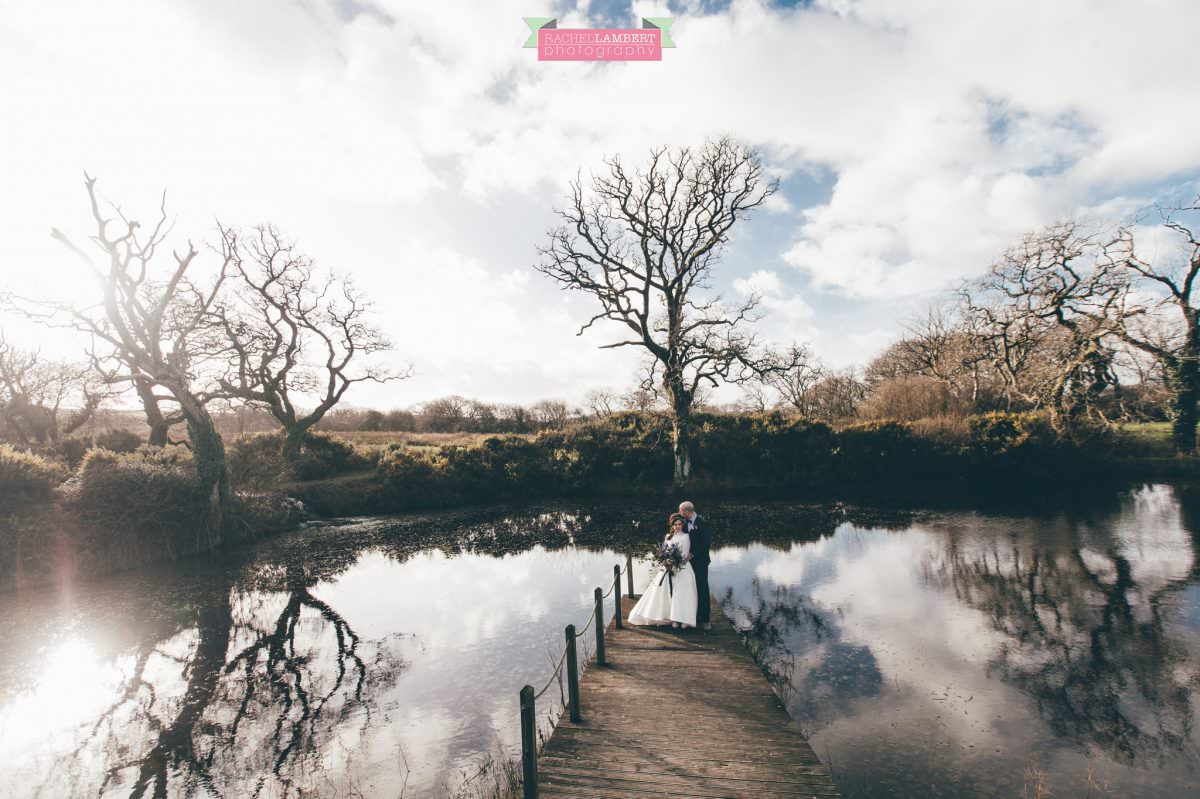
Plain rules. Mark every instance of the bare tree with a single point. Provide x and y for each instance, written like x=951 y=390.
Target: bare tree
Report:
x=551 y=414
x=755 y=398
x=151 y=324
x=1165 y=321
x=644 y=245
x=939 y=347
x=292 y=332
x=601 y=402
x=481 y=416
x=837 y=395
x=444 y=415
x=515 y=419
x=640 y=399
x=794 y=381
x=1050 y=313
x=42 y=400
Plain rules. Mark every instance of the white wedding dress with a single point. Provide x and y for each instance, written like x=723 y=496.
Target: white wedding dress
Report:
x=669 y=598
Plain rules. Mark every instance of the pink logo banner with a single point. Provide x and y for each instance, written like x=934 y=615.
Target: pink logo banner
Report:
x=599 y=44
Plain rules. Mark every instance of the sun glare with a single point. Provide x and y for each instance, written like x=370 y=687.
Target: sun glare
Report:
x=73 y=685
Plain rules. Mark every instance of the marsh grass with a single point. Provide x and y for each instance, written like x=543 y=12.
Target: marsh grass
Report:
x=496 y=777
x=381 y=438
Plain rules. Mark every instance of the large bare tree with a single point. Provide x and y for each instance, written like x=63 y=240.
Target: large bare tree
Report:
x=1049 y=311
x=150 y=323
x=643 y=245
x=1163 y=319
x=293 y=333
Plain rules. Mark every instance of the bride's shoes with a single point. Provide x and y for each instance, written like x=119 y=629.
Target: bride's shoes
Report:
x=676 y=625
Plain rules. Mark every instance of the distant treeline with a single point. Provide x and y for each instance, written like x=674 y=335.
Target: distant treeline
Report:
x=454 y=414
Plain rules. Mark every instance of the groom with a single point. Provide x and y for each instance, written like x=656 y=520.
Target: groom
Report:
x=698 y=530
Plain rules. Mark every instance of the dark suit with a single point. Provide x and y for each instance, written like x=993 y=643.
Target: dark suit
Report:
x=701 y=540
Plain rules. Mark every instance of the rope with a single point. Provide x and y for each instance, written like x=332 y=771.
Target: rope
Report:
x=563 y=658
x=553 y=674
x=591 y=618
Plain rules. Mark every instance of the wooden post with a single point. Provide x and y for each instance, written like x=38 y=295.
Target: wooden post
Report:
x=528 y=744
x=599 y=627
x=616 y=596
x=572 y=676
x=629 y=574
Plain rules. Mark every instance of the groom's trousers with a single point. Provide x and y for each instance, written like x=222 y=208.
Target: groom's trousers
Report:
x=702 y=609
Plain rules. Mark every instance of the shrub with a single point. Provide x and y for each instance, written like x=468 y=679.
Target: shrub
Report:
x=71 y=450
x=947 y=434
x=629 y=448
x=146 y=500
x=412 y=475
x=118 y=440
x=323 y=456
x=256 y=460
x=498 y=467
x=268 y=511
x=1003 y=432
x=768 y=449
x=875 y=450
x=25 y=476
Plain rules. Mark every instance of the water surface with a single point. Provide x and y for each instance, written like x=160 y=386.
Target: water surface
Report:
x=928 y=653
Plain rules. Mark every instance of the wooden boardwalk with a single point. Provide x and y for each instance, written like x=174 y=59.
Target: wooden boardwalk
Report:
x=677 y=714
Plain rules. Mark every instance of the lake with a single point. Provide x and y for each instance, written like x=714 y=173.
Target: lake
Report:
x=1050 y=651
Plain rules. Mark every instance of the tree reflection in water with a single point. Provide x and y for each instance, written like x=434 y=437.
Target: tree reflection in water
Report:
x=246 y=701
x=901 y=655
x=783 y=627
x=1081 y=609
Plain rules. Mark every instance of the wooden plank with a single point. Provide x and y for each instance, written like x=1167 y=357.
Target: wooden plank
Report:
x=672 y=779
x=679 y=714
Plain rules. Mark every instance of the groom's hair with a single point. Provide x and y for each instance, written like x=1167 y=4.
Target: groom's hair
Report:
x=686 y=507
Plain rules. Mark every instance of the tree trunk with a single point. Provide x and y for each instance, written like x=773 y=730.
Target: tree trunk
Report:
x=681 y=438
x=159 y=428
x=293 y=439
x=681 y=419
x=1185 y=394
x=208 y=451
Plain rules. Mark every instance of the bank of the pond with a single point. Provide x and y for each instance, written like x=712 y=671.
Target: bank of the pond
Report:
x=126 y=511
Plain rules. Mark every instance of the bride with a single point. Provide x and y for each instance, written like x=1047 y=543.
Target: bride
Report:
x=670 y=599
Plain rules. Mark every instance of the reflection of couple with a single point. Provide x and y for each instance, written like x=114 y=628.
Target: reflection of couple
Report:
x=680 y=598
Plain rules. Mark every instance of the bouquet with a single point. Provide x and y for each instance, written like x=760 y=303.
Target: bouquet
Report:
x=668 y=557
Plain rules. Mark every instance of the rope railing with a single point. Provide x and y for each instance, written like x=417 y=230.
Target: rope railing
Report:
x=570 y=659
x=553 y=675
x=586 y=627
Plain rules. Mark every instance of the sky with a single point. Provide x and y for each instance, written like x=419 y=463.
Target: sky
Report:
x=418 y=148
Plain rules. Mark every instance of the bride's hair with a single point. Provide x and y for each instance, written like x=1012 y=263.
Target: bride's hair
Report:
x=671 y=523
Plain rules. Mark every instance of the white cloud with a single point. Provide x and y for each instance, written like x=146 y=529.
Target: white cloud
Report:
x=760 y=282
x=428 y=131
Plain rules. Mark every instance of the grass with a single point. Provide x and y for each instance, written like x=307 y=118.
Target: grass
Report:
x=337 y=479
x=1157 y=431
x=432 y=440
x=1148 y=439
